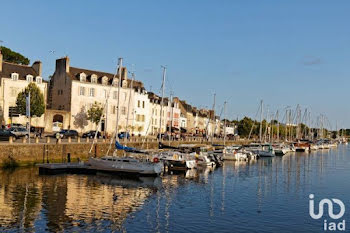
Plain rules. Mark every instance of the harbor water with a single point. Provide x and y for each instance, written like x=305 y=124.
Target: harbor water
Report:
x=266 y=195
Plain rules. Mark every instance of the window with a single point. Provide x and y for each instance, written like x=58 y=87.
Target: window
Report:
x=82 y=91
x=38 y=80
x=104 y=80
x=82 y=77
x=143 y=118
x=143 y=104
x=13 y=92
x=138 y=103
x=124 y=83
x=113 y=109
x=115 y=82
x=105 y=93
x=29 y=78
x=123 y=110
x=92 y=92
x=115 y=94
x=93 y=78
x=14 y=76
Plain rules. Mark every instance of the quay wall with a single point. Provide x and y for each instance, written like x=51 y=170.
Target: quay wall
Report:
x=24 y=154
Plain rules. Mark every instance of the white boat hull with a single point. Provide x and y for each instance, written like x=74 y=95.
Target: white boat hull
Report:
x=121 y=165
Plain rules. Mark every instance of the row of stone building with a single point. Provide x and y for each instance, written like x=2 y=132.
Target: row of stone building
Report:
x=71 y=91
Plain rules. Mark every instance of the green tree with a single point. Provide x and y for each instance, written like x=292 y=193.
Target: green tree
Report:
x=95 y=113
x=13 y=57
x=37 y=103
x=244 y=126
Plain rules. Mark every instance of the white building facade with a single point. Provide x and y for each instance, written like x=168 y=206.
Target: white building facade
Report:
x=14 y=79
x=76 y=90
x=141 y=115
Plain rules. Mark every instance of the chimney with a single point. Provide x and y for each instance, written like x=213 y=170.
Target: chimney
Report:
x=62 y=65
x=37 y=66
x=124 y=73
x=0 y=60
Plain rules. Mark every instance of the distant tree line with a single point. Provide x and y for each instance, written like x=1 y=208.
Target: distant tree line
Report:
x=248 y=127
x=13 y=57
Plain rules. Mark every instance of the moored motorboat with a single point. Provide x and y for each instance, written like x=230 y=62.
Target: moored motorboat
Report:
x=175 y=160
x=234 y=154
x=302 y=146
x=263 y=152
x=280 y=149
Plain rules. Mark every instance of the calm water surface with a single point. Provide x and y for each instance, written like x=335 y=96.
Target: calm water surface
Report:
x=268 y=195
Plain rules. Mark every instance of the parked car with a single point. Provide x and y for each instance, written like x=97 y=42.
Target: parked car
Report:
x=19 y=132
x=5 y=135
x=15 y=125
x=65 y=133
x=164 y=136
x=91 y=134
x=122 y=135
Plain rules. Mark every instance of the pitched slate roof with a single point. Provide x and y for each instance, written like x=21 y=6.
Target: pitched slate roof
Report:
x=74 y=74
x=157 y=99
x=21 y=70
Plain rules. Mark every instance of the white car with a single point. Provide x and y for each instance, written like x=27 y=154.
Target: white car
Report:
x=19 y=132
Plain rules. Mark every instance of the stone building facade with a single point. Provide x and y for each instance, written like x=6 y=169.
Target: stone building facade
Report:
x=75 y=90
x=14 y=78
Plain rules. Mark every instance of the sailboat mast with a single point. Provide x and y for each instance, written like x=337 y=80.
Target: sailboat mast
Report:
x=127 y=116
x=213 y=128
x=224 y=123
x=161 y=104
x=286 y=129
x=171 y=116
x=266 y=124
x=261 y=115
x=120 y=61
x=278 y=127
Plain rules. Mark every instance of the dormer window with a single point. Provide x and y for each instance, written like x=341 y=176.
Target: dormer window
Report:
x=39 y=80
x=124 y=83
x=93 y=78
x=29 y=78
x=82 y=77
x=14 y=76
x=104 y=80
x=115 y=82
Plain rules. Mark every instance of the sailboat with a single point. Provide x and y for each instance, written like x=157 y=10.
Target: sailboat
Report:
x=263 y=152
x=125 y=165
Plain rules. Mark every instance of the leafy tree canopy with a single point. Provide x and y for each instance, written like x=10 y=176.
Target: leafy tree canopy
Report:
x=37 y=103
x=13 y=57
x=95 y=113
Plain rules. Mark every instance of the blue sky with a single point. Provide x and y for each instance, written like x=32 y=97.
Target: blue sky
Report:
x=284 y=52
